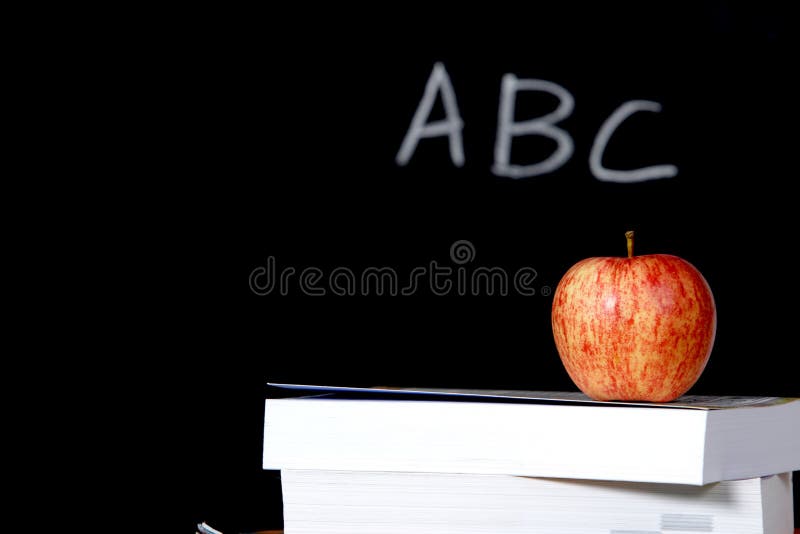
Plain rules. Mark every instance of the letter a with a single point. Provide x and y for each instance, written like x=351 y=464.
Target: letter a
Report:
x=451 y=126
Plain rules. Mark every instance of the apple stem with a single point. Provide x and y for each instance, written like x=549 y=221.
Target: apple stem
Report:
x=629 y=238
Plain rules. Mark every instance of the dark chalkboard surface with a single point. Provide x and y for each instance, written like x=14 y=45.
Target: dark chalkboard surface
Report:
x=291 y=147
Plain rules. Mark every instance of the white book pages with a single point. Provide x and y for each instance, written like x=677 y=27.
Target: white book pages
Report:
x=602 y=442
x=339 y=502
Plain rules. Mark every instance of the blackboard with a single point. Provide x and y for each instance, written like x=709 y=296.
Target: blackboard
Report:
x=285 y=137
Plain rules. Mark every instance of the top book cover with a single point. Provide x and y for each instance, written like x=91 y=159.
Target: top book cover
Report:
x=693 y=440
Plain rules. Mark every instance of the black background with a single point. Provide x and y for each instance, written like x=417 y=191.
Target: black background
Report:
x=275 y=133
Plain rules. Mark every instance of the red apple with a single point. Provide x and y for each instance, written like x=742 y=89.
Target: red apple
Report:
x=639 y=328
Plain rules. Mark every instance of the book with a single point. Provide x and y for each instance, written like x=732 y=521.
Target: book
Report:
x=694 y=440
x=368 y=502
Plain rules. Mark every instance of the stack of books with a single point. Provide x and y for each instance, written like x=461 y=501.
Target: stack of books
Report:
x=422 y=461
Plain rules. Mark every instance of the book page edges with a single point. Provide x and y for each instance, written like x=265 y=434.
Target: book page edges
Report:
x=382 y=435
x=752 y=442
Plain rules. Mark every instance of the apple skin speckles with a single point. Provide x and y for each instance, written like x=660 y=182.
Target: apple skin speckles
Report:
x=639 y=328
